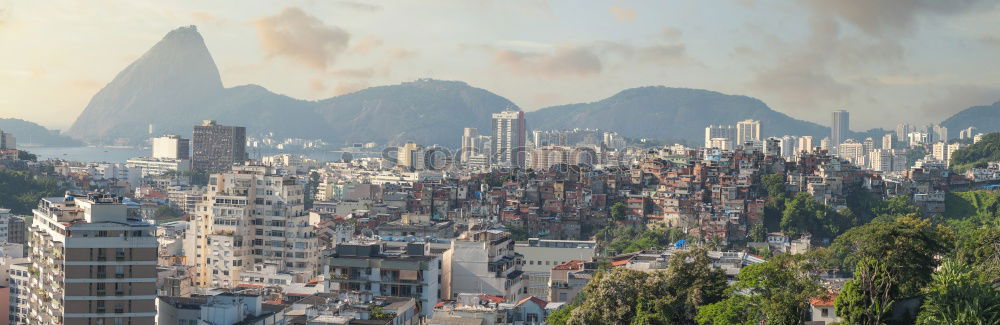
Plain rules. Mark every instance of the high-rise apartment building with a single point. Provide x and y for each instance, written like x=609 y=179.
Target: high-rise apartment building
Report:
x=747 y=131
x=408 y=156
x=788 y=145
x=903 y=130
x=940 y=133
x=93 y=262
x=888 y=141
x=840 y=127
x=721 y=143
x=825 y=144
x=252 y=220
x=805 y=143
x=852 y=150
x=470 y=144
x=509 y=138
x=7 y=141
x=171 y=147
x=727 y=132
x=217 y=147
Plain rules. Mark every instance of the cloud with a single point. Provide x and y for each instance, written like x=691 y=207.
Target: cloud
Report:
x=655 y=53
x=401 y=53
x=951 y=99
x=363 y=73
x=670 y=33
x=360 y=6
x=366 y=45
x=206 y=18
x=300 y=37
x=348 y=87
x=565 y=61
x=889 y=17
x=622 y=14
x=317 y=86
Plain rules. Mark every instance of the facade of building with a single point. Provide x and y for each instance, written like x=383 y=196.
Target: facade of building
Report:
x=171 y=147
x=747 y=131
x=158 y=166
x=484 y=262
x=712 y=132
x=541 y=255
x=840 y=127
x=508 y=138
x=413 y=273
x=215 y=147
x=251 y=216
x=94 y=262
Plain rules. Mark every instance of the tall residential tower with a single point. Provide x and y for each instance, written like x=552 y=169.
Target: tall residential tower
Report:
x=218 y=147
x=509 y=138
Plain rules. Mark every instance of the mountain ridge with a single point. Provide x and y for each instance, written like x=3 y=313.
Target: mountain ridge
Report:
x=176 y=84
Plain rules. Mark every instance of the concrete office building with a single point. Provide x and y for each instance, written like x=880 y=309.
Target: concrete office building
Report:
x=413 y=272
x=94 y=262
x=251 y=216
x=217 y=147
x=171 y=147
x=509 y=132
x=840 y=127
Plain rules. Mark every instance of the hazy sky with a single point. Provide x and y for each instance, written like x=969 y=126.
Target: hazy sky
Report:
x=884 y=61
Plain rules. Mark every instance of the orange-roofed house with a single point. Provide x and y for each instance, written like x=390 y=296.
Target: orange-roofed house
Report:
x=823 y=311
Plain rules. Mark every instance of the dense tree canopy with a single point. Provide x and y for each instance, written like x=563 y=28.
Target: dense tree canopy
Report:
x=868 y=298
x=625 y=296
x=908 y=246
x=20 y=191
x=777 y=291
x=960 y=295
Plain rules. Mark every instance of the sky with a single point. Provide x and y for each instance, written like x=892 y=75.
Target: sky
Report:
x=886 y=62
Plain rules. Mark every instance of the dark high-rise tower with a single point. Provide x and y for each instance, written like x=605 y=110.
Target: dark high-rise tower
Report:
x=217 y=147
x=840 y=127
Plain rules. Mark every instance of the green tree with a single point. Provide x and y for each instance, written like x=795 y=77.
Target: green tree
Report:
x=24 y=155
x=166 y=212
x=908 y=246
x=378 y=313
x=758 y=233
x=896 y=207
x=20 y=191
x=868 y=297
x=959 y=295
x=619 y=211
x=625 y=296
x=778 y=290
x=980 y=248
x=804 y=214
x=734 y=310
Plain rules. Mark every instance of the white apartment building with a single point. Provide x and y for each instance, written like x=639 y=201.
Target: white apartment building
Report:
x=484 y=262
x=541 y=255
x=805 y=143
x=251 y=216
x=171 y=147
x=747 y=131
x=713 y=132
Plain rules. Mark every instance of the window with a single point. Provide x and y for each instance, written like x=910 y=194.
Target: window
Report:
x=825 y=312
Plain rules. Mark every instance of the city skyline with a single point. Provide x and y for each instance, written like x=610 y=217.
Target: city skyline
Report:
x=541 y=59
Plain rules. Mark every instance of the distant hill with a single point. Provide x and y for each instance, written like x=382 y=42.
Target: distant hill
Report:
x=986 y=118
x=979 y=154
x=28 y=133
x=662 y=112
x=176 y=85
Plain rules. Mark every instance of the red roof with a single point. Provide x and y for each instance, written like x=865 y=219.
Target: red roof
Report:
x=619 y=262
x=539 y=302
x=571 y=265
x=493 y=299
x=823 y=301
